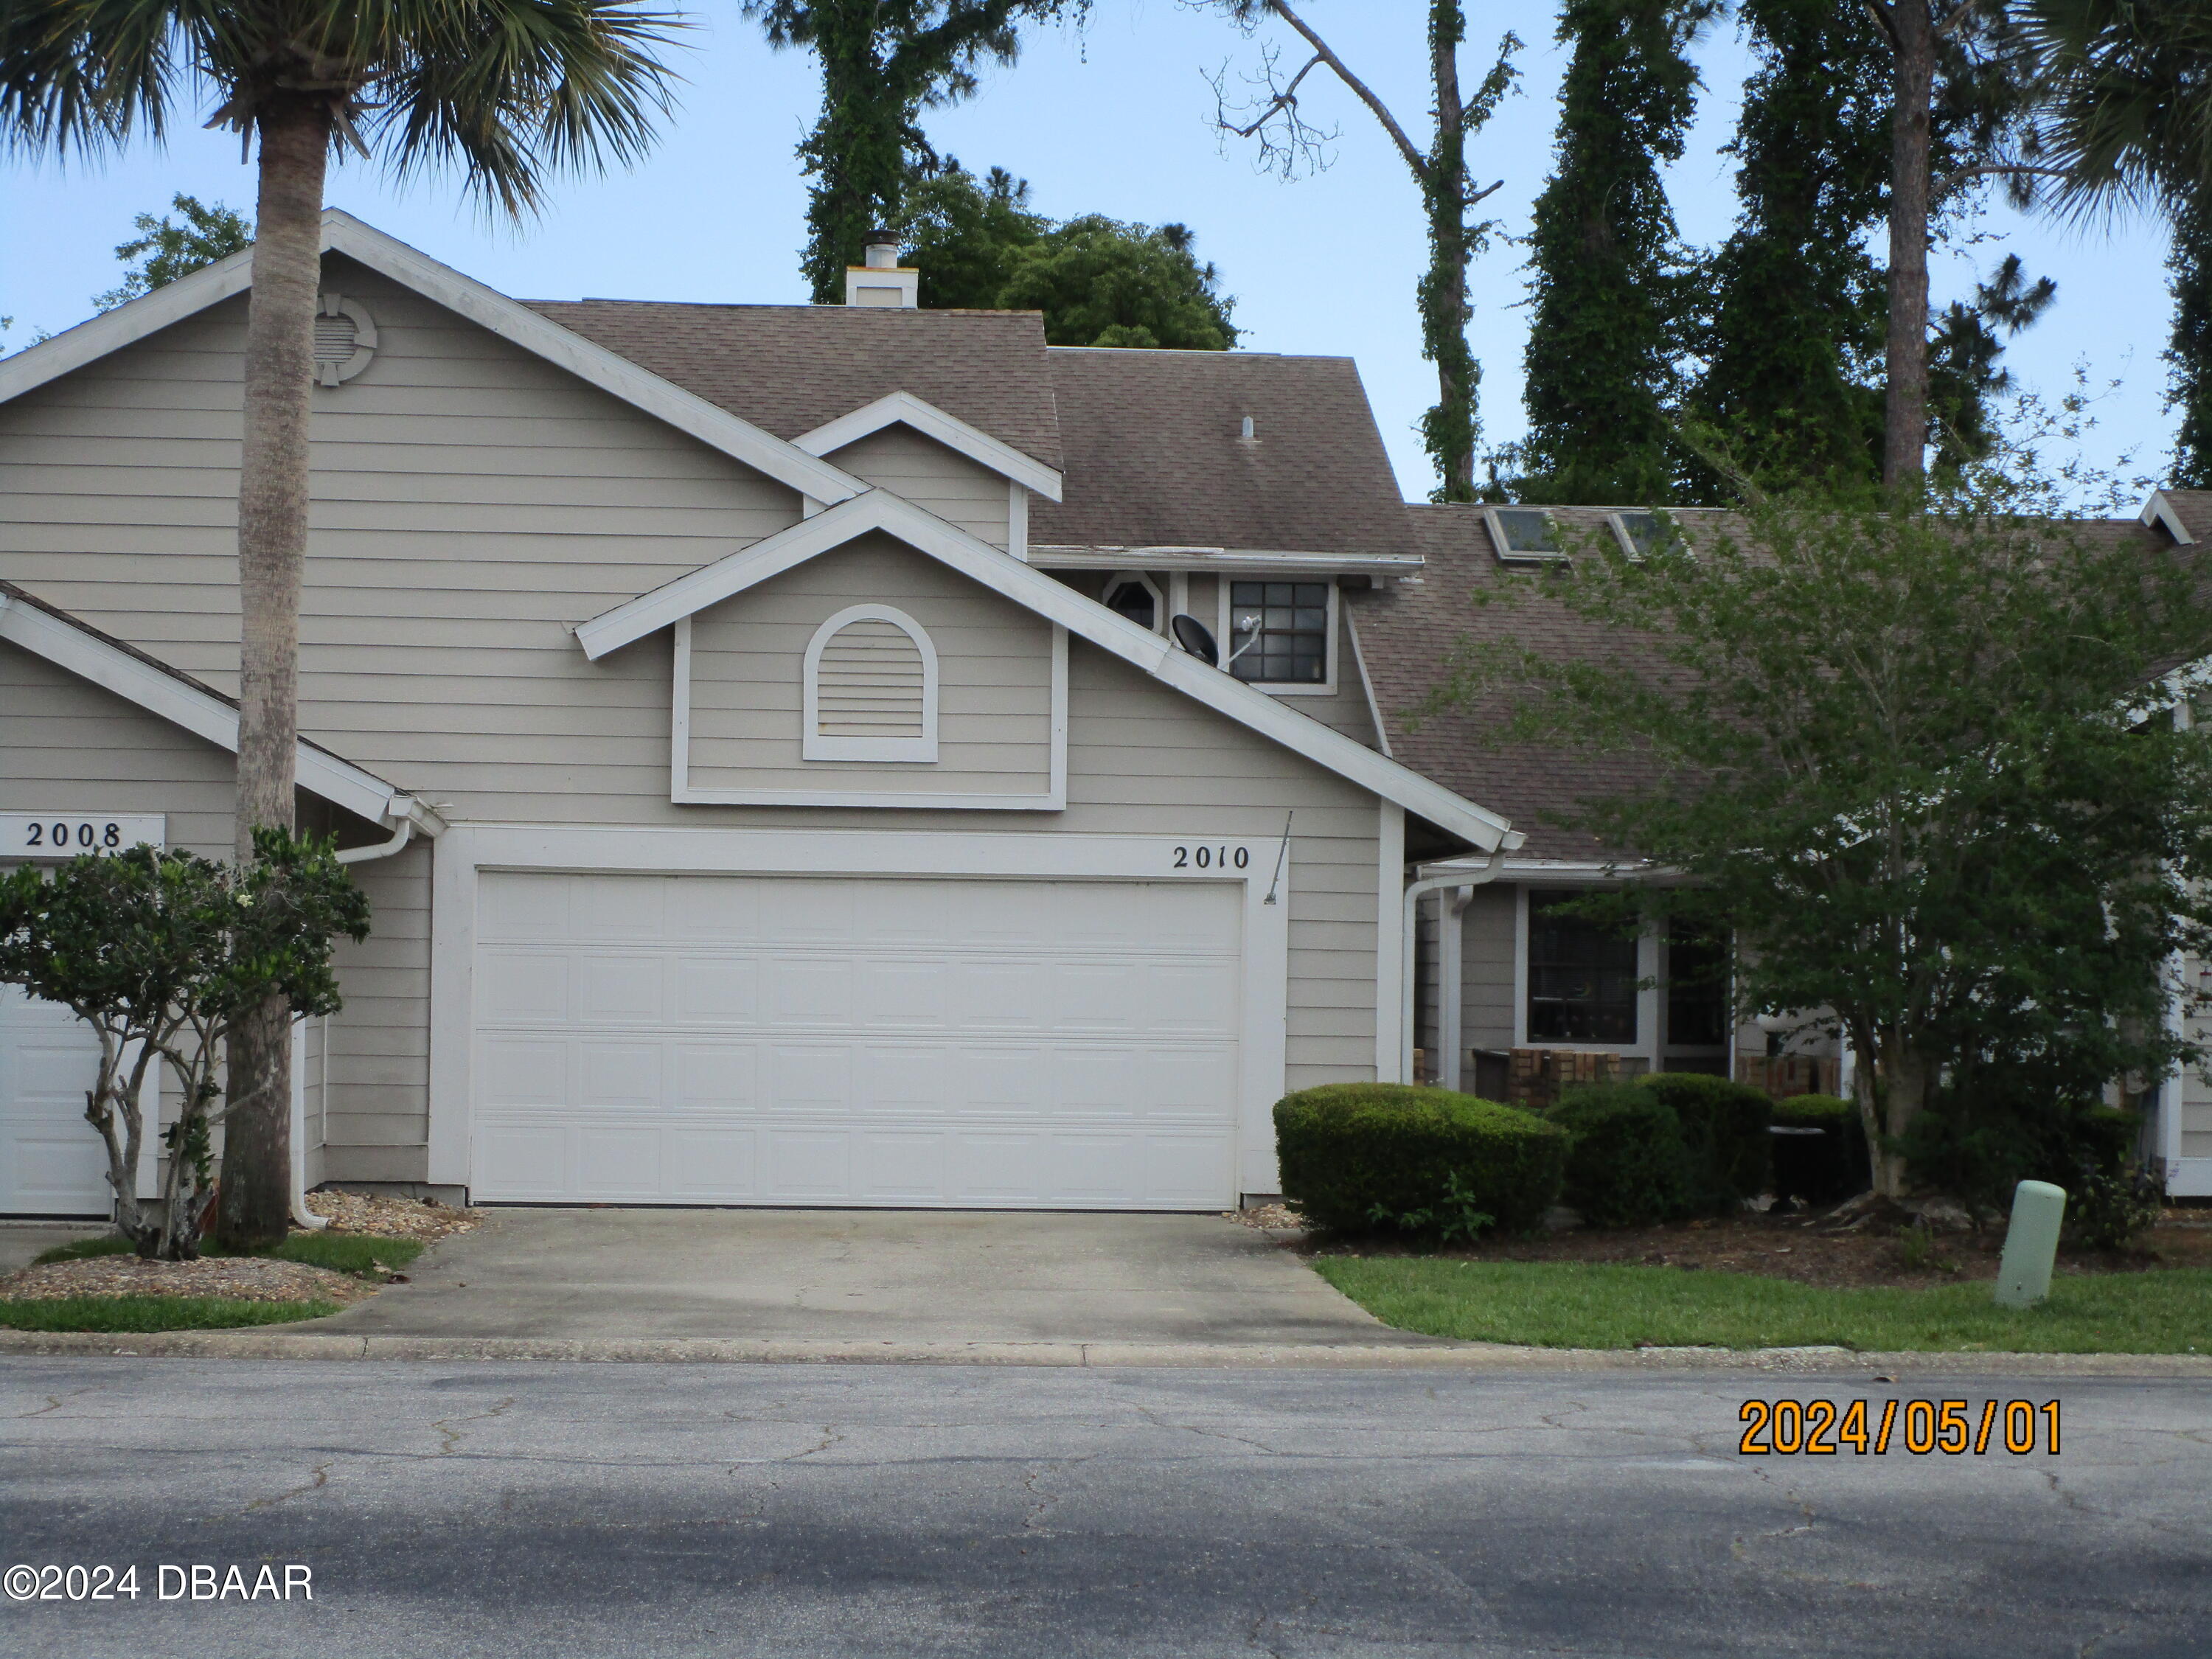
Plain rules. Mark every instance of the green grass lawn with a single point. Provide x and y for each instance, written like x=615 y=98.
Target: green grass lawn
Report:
x=345 y=1252
x=1559 y=1304
x=153 y=1313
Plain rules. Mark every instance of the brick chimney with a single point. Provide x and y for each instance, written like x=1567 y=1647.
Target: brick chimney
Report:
x=881 y=280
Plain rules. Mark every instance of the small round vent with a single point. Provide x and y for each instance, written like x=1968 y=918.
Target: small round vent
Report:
x=345 y=339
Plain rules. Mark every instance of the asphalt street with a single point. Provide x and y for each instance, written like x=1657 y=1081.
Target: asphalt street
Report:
x=618 y=1509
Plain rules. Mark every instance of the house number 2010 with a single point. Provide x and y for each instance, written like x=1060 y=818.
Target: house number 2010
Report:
x=1209 y=858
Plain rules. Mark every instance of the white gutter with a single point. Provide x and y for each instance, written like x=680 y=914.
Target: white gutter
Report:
x=1415 y=892
x=302 y=1218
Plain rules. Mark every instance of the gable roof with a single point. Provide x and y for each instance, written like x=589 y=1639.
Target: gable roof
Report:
x=904 y=408
x=790 y=369
x=618 y=375
x=69 y=643
x=1058 y=603
x=1155 y=457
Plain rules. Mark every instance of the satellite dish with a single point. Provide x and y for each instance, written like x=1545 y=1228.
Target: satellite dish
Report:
x=1193 y=637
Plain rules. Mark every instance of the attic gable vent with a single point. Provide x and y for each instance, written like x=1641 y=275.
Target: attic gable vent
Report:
x=345 y=338
x=870 y=689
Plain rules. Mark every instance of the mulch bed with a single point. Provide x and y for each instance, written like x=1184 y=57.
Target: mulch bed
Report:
x=391 y=1217
x=1814 y=1250
x=241 y=1279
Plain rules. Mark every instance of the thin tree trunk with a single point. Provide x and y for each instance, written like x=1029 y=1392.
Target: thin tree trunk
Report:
x=1444 y=306
x=1904 y=434
x=1902 y=1088
x=272 y=545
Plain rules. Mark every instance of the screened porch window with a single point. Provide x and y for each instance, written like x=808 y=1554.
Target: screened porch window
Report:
x=1582 y=976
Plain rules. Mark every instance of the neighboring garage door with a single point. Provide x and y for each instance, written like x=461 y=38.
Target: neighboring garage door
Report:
x=50 y=1161
x=849 y=1041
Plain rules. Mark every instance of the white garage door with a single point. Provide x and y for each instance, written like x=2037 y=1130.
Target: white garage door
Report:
x=50 y=1161
x=842 y=1040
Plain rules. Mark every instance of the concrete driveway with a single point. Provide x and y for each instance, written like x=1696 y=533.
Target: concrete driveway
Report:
x=864 y=1275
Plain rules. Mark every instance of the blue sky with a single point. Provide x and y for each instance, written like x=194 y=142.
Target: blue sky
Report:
x=1117 y=120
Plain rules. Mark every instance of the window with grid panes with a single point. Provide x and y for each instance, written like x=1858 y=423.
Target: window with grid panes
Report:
x=1582 y=975
x=1292 y=619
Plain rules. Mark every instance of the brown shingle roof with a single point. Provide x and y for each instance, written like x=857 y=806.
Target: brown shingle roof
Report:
x=1155 y=457
x=791 y=369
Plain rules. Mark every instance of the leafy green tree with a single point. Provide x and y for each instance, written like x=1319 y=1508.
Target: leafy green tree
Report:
x=1098 y=282
x=164 y=955
x=1451 y=430
x=1793 y=344
x=1610 y=289
x=1916 y=755
x=2189 y=356
x=167 y=250
x=884 y=62
x=507 y=90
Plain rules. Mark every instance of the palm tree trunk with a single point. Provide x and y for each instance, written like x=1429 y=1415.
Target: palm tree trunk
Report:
x=1904 y=434
x=273 y=493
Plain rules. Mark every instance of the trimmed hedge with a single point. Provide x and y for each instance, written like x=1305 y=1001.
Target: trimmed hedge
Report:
x=1349 y=1150
x=1627 y=1165
x=1731 y=1156
x=1826 y=1170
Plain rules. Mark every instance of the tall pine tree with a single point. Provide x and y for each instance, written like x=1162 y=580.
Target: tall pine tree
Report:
x=2190 y=356
x=1609 y=290
x=1792 y=377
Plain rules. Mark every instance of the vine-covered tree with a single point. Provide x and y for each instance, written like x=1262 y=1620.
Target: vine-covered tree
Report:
x=507 y=91
x=884 y=62
x=164 y=250
x=2189 y=355
x=1793 y=344
x=1452 y=429
x=1610 y=298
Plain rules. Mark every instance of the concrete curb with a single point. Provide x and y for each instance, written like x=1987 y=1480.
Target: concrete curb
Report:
x=1065 y=1355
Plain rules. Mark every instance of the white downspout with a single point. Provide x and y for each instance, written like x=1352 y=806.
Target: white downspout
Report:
x=1451 y=963
x=1415 y=891
x=302 y=1218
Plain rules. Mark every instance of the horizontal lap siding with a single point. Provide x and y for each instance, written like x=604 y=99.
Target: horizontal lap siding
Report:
x=994 y=678
x=379 y=1061
x=932 y=476
x=1487 y=949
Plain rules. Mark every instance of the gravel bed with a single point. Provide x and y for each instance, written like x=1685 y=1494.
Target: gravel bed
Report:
x=391 y=1217
x=1267 y=1218
x=242 y=1278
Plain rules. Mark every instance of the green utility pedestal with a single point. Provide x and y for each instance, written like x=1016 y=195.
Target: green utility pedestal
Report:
x=2031 y=1244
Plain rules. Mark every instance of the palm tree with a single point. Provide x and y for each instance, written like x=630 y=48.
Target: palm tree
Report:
x=507 y=90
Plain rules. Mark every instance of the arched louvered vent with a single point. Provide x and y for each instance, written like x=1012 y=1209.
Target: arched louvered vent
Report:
x=870 y=689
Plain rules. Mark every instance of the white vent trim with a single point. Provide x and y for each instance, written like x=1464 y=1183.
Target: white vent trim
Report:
x=815 y=745
x=333 y=369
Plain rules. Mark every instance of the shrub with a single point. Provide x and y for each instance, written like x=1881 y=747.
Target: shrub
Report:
x=1358 y=1156
x=2109 y=1207
x=1825 y=1170
x=1978 y=1145
x=1625 y=1163
x=1731 y=1156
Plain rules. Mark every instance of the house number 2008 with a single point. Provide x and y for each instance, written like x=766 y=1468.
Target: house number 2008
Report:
x=1208 y=857
x=58 y=834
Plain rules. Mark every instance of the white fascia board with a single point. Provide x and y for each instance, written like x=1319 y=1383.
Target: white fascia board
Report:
x=1087 y=619
x=2158 y=513
x=955 y=434
x=1065 y=557
x=880 y=509
x=617 y=375
x=112 y=330
x=195 y=709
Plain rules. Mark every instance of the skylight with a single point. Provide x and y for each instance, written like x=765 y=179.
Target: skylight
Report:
x=1522 y=533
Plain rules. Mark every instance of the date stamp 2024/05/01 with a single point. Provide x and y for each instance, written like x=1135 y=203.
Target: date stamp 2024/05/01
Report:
x=1952 y=1428
x=166 y=1581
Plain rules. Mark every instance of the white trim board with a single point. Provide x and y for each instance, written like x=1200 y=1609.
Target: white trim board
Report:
x=469 y=849
x=487 y=308
x=1051 y=555
x=1085 y=618
x=199 y=711
x=897 y=408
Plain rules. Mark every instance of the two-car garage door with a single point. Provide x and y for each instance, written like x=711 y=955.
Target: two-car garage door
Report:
x=856 y=1041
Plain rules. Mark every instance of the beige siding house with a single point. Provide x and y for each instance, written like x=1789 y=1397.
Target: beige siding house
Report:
x=796 y=755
